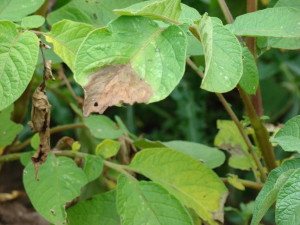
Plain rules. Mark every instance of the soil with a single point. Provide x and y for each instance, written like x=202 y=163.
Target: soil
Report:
x=18 y=211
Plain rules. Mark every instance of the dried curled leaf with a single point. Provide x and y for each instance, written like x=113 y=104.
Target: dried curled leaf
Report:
x=112 y=85
x=48 y=70
x=40 y=116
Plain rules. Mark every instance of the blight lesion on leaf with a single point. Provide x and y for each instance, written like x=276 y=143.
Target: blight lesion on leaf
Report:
x=114 y=84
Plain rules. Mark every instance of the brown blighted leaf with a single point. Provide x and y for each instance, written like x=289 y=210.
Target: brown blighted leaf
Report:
x=219 y=215
x=113 y=85
x=232 y=148
x=48 y=70
x=40 y=117
x=40 y=110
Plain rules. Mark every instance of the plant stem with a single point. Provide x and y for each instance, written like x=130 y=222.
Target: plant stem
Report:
x=120 y=168
x=10 y=157
x=226 y=11
x=236 y=121
x=247 y=183
x=251 y=44
x=254 y=105
x=52 y=131
x=261 y=132
x=61 y=74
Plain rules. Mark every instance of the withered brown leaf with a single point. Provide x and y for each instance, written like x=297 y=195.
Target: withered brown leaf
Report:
x=113 y=85
x=40 y=117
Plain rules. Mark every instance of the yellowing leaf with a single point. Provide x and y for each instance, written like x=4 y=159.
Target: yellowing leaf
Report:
x=190 y=181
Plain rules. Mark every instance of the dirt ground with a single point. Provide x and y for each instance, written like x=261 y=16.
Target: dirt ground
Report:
x=18 y=211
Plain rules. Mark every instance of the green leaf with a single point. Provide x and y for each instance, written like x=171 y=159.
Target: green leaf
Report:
x=108 y=148
x=35 y=141
x=229 y=136
x=194 y=46
x=153 y=56
x=8 y=129
x=188 y=14
x=102 y=127
x=288 y=137
x=59 y=181
x=270 y=22
x=145 y=143
x=155 y=9
x=194 y=184
x=250 y=78
x=93 y=166
x=97 y=13
x=288 y=202
x=285 y=43
x=66 y=37
x=269 y=192
x=15 y=10
x=34 y=21
x=76 y=146
x=235 y=182
x=148 y=203
x=230 y=139
x=26 y=158
x=211 y=157
x=18 y=57
x=238 y=161
x=223 y=56
x=288 y=3
x=100 y=210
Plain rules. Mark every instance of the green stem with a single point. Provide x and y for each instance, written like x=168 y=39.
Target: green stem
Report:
x=226 y=11
x=260 y=131
x=247 y=183
x=251 y=44
x=254 y=105
x=237 y=123
x=117 y=167
x=120 y=168
x=53 y=130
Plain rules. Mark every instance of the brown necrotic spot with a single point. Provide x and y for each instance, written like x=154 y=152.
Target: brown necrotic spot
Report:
x=113 y=85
